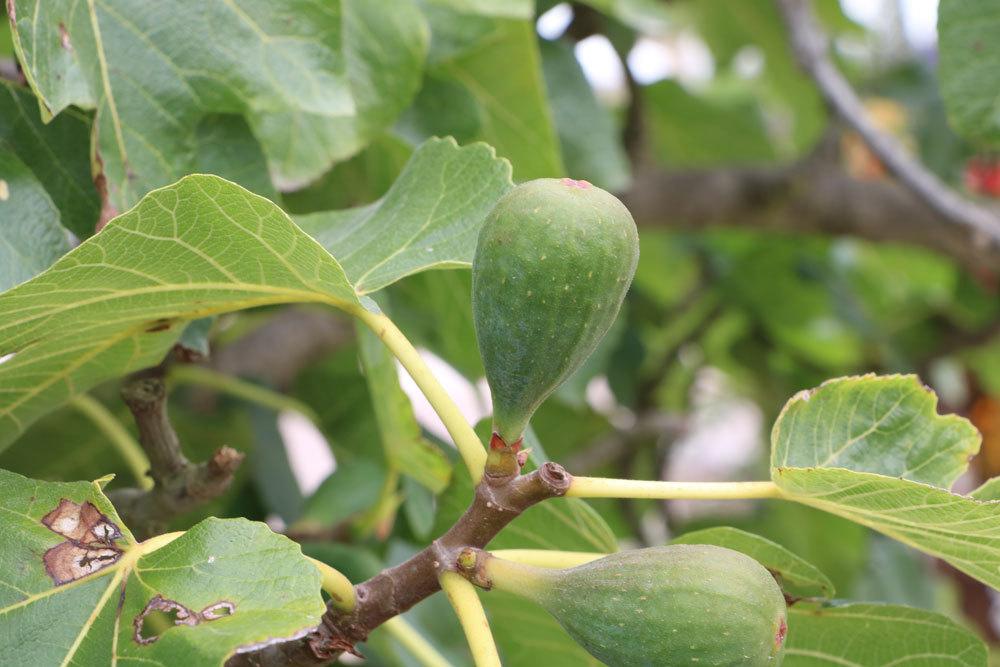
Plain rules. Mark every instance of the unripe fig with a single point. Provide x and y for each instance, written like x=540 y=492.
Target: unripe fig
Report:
x=554 y=261
x=675 y=605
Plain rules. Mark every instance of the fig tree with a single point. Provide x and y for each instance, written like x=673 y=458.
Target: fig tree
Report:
x=674 y=605
x=554 y=260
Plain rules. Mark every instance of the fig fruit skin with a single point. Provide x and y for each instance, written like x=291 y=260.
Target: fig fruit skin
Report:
x=675 y=605
x=554 y=260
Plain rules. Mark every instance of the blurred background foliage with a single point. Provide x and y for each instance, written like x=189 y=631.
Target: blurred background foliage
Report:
x=724 y=322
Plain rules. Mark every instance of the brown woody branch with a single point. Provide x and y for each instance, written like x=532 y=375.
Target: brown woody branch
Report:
x=497 y=502
x=810 y=46
x=178 y=485
x=813 y=195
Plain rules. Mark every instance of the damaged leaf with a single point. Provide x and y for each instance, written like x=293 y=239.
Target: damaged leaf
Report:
x=77 y=588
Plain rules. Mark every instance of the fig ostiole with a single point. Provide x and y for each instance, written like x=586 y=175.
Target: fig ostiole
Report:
x=554 y=260
x=674 y=605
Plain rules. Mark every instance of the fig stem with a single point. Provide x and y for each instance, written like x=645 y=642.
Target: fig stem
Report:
x=466 y=440
x=599 y=487
x=339 y=587
x=472 y=616
x=547 y=558
x=415 y=643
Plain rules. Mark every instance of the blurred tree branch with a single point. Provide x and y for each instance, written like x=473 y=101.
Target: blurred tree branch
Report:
x=810 y=46
x=811 y=195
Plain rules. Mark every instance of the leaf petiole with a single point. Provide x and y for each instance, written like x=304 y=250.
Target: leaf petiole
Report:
x=339 y=587
x=415 y=643
x=472 y=616
x=466 y=440
x=130 y=450
x=600 y=487
x=547 y=557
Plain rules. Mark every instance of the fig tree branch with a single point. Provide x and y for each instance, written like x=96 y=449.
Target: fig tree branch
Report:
x=810 y=46
x=811 y=195
x=178 y=485
x=497 y=502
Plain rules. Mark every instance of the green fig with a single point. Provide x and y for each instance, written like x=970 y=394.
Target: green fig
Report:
x=675 y=605
x=554 y=260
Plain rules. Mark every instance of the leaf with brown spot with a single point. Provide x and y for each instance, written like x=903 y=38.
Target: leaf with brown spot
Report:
x=73 y=582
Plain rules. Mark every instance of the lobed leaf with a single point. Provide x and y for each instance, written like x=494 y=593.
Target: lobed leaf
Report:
x=886 y=425
x=873 y=450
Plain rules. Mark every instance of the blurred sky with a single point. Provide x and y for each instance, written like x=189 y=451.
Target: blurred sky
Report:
x=685 y=57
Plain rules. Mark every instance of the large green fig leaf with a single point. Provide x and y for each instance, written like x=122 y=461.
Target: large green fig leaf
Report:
x=56 y=153
x=795 y=574
x=873 y=450
x=78 y=589
x=315 y=79
x=970 y=67
x=886 y=425
x=118 y=301
x=877 y=635
x=429 y=217
x=31 y=237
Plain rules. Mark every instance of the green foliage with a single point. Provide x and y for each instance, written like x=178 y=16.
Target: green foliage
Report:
x=429 y=218
x=35 y=239
x=56 y=154
x=970 y=58
x=314 y=90
x=796 y=575
x=350 y=148
x=880 y=635
x=75 y=581
x=105 y=309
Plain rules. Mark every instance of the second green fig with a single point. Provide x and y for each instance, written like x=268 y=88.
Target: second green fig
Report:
x=554 y=260
x=675 y=605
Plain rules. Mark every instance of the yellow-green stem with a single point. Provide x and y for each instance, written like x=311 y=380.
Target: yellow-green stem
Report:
x=599 y=487
x=472 y=616
x=466 y=440
x=414 y=642
x=127 y=446
x=157 y=542
x=337 y=586
x=547 y=558
x=248 y=391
